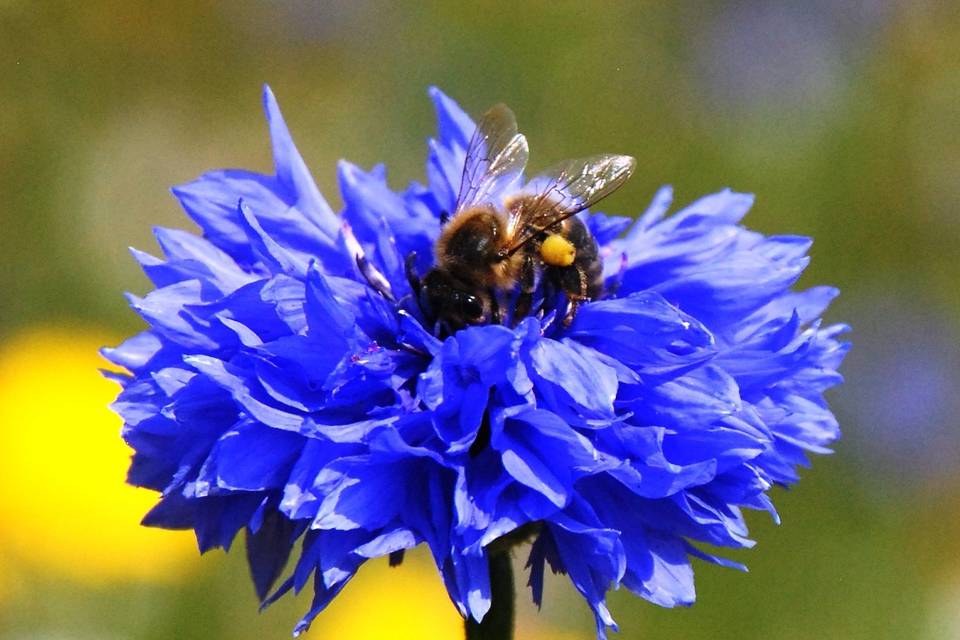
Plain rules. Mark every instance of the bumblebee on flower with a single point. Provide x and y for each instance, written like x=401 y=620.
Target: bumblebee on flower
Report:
x=498 y=240
x=319 y=381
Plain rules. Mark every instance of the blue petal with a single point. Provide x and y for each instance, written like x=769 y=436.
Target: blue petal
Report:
x=697 y=399
x=292 y=172
x=303 y=492
x=473 y=578
x=221 y=518
x=135 y=353
x=448 y=153
x=253 y=400
x=268 y=251
x=595 y=561
x=663 y=574
x=268 y=549
x=585 y=384
x=655 y=211
x=541 y=451
x=454 y=126
x=323 y=595
x=644 y=331
x=361 y=494
x=185 y=248
x=165 y=310
x=289 y=207
x=472 y=362
x=389 y=542
x=369 y=201
x=253 y=457
x=646 y=469
x=605 y=228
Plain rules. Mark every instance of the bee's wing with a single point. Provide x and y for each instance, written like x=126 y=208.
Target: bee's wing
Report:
x=496 y=158
x=563 y=191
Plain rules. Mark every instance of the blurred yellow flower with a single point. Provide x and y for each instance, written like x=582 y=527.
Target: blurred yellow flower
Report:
x=10 y=581
x=409 y=603
x=64 y=506
x=401 y=603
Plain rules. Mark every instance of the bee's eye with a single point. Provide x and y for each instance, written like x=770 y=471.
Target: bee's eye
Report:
x=472 y=306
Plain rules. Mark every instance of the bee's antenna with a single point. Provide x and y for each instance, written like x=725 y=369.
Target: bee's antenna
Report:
x=410 y=269
x=617 y=279
x=374 y=278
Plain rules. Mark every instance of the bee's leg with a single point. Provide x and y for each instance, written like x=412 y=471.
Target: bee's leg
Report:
x=416 y=285
x=528 y=282
x=575 y=294
x=572 y=307
x=494 y=306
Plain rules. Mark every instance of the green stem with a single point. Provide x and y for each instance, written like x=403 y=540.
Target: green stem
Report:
x=498 y=623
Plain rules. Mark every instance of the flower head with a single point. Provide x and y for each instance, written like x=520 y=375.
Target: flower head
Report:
x=290 y=384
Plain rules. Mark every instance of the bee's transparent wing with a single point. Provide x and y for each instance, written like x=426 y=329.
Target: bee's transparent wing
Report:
x=496 y=158
x=563 y=191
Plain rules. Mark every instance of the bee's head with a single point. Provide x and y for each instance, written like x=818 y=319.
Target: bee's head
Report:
x=452 y=301
x=468 y=307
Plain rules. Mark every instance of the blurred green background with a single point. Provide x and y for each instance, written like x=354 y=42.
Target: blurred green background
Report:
x=842 y=116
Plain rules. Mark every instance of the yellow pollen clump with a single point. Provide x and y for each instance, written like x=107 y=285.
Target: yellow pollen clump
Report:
x=557 y=251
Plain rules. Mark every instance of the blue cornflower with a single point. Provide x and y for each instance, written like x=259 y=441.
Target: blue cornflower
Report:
x=292 y=385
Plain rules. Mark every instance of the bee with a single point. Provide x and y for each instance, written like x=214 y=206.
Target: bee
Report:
x=502 y=241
